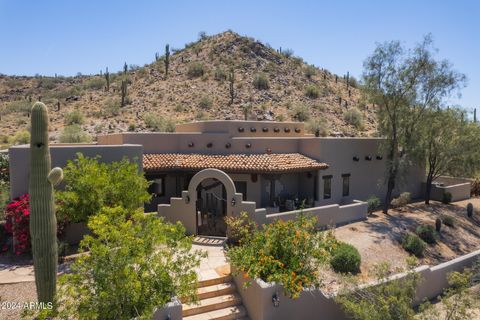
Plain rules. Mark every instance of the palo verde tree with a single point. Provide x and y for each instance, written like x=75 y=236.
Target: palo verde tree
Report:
x=404 y=84
x=448 y=144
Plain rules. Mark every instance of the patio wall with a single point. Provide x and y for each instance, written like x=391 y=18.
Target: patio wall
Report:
x=330 y=215
x=314 y=305
x=459 y=188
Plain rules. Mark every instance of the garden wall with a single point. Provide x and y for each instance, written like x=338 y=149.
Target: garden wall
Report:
x=314 y=304
x=459 y=188
x=330 y=215
x=171 y=311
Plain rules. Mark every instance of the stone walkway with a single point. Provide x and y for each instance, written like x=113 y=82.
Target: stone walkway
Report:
x=210 y=267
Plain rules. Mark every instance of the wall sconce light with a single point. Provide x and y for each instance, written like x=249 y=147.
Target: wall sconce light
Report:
x=297 y=130
x=379 y=157
x=252 y=129
x=265 y=129
x=233 y=202
x=248 y=145
x=368 y=158
x=187 y=199
x=287 y=129
x=228 y=145
x=191 y=144
x=254 y=177
x=269 y=151
x=241 y=129
x=209 y=145
x=355 y=158
x=276 y=300
x=276 y=129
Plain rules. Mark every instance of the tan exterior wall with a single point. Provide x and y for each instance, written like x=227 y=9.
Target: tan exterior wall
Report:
x=60 y=154
x=314 y=305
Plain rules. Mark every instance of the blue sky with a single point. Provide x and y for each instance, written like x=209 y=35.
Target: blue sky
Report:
x=66 y=37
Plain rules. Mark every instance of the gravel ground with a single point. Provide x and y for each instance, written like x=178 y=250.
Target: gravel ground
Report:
x=18 y=292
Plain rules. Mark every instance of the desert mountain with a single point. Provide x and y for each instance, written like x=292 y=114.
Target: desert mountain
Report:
x=268 y=84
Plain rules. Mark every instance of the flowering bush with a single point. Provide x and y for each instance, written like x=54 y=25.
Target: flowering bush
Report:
x=17 y=223
x=286 y=252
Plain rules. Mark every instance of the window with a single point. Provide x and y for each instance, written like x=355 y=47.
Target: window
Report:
x=241 y=187
x=346 y=184
x=327 y=187
x=157 y=187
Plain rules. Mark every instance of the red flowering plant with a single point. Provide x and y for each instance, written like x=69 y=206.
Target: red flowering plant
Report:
x=17 y=224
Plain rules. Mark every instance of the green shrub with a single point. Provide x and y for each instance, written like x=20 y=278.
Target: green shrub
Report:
x=470 y=209
x=373 y=203
x=318 y=127
x=111 y=107
x=427 y=233
x=135 y=263
x=220 y=74
x=446 y=198
x=74 y=134
x=312 y=92
x=286 y=252
x=48 y=83
x=301 y=113
x=310 y=71
x=74 y=117
x=239 y=229
x=413 y=244
x=449 y=221
x=195 y=70
x=91 y=185
x=345 y=259
x=261 y=82
x=402 y=200
x=4 y=168
x=354 y=117
x=205 y=103
x=159 y=123
x=20 y=137
x=96 y=83
x=132 y=127
x=19 y=106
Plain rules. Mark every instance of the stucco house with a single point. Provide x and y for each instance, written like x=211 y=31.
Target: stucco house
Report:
x=207 y=170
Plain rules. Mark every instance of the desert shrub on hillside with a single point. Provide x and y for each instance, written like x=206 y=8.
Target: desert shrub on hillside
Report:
x=220 y=74
x=318 y=127
x=67 y=92
x=354 y=117
x=19 y=106
x=195 y=70
x=353 y=82
x=74 y=117
x=310 y=71
x=402 y=200
x=427 y=233
x=287 y=53
x=111 y=107
x=20 y=137
x=301 y=113
x=312 y=92
x=74 y=134
x=48 y=83
x=449 y=221
x=345 y=259
x=205 y=103
x=96 y=83
x=373 y=203
x=260 y=81
x=413 y=244
x=13 y=83
x=159 y=123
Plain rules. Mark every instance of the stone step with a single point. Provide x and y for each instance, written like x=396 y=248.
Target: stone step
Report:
x=214 y=281
x=211 y=304
x=216 y=290
x=230 y=313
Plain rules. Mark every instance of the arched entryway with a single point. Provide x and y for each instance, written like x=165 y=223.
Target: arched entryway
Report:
x=212 y=192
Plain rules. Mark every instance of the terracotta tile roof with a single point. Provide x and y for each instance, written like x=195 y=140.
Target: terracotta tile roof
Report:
x=250 y=163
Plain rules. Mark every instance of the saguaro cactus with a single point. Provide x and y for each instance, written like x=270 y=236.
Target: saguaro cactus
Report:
x=231 y=80
x=43 y=223
x=167 y=59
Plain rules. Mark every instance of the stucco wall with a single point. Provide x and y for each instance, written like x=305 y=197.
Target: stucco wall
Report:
x=367 y=177
x=314 y=305
x=60 y=154
x=327 y=216
x=171 y=311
